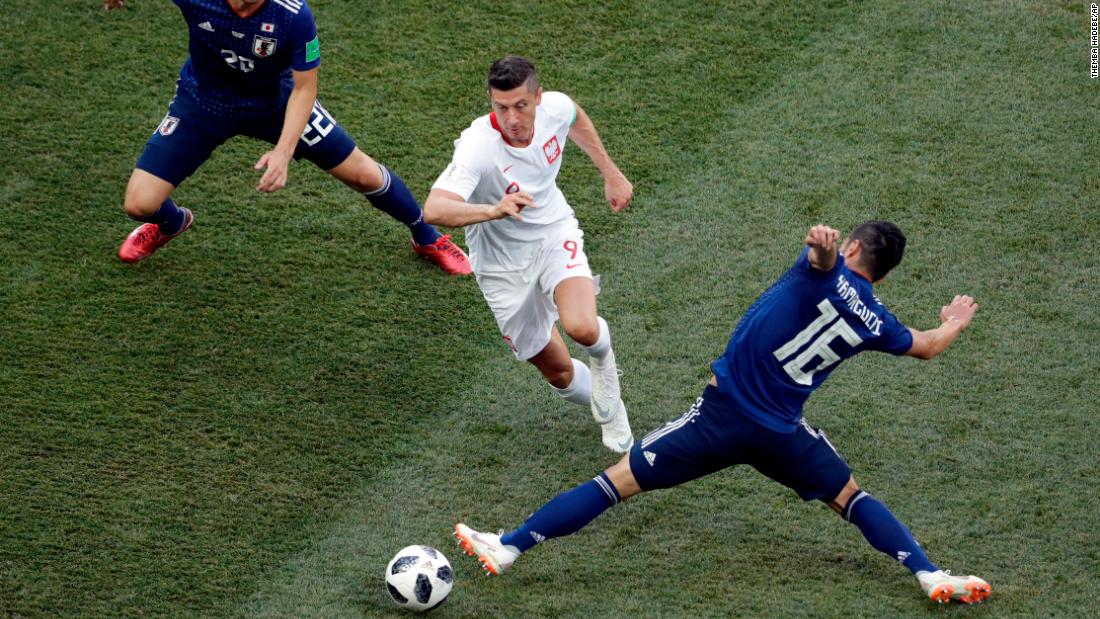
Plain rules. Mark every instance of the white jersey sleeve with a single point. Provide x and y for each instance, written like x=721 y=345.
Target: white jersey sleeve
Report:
x=560 y=106
x=467 y=166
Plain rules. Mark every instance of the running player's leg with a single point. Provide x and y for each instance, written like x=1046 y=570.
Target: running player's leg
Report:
x=575 y=298
x=331 y=148
x=180 y=144
x=568 y=281
x=697 y=444
x=567 y=278
x=569 y=378
x=526 y=322
x=148 y=199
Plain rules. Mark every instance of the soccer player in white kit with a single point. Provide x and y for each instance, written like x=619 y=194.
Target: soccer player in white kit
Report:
x=526 y=247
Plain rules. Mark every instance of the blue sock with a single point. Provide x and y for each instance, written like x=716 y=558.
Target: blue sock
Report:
x=395 y=199
x=886 y=533
x=169 y=217
x=566 y=514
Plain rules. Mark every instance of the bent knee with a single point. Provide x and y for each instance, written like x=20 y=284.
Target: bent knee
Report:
x=360 y=172
x=583 y=332
x=138 y=205
x=368 y=178
x=846 y=493
x=560 y=377
x=623 y=478
x=145 y=193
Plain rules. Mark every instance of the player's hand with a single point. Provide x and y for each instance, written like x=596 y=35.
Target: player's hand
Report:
x=109 y=5
x=822 y=237
x=512 y=204
x=274 y=178
x=618 y=190
x=961 y=309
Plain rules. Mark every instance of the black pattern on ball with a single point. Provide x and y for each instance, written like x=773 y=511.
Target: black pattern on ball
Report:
x=428 y=550
x=404 y=564
x=445 y=574
x=423 y=589
x=396 y=595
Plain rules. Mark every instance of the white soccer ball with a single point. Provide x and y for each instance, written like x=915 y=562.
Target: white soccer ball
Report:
x=419 y=578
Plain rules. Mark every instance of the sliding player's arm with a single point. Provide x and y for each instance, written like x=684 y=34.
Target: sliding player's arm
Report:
x=822 y=243
x=446 y=208
x=616 y=187
x=955 y=318
x=298 y=110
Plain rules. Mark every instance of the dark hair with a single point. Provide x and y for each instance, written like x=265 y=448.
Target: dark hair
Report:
x=883 y=245
x=512 y=71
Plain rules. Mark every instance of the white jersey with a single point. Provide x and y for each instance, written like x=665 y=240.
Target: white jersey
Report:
x=485 y=168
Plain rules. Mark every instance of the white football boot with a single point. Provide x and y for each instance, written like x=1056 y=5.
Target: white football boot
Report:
x=494 y=556
x=942 y=587
x=607 y=404
x=617 y=435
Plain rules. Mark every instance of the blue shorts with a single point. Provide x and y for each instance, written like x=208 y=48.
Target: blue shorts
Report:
x=713 y=435
x=189 y=133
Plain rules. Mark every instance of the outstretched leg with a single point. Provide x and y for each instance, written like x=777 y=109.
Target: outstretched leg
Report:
x=696 y=444
x=565 y=514
x=388 y=193
x=888 y=535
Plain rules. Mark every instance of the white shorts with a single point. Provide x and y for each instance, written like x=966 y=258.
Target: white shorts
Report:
x=523 y=301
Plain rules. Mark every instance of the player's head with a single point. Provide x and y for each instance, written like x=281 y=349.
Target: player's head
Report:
x=514 y=93
x=874 y=247
x=510 y=72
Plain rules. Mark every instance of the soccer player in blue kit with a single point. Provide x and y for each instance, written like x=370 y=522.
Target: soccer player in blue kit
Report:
x=253 y=71
x=822 y=311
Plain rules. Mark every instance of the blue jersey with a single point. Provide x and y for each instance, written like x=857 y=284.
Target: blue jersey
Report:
x=242 y=66
x=795 y=335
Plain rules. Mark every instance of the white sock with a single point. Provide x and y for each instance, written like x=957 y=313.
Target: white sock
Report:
x=602 y=346
x=579 y=390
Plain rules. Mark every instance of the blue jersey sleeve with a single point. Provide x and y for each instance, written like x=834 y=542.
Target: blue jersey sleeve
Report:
x=306 y=47
x=803 y=266
x=896 y=338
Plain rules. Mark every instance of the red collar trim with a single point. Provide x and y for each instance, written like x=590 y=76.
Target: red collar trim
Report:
x=496 y=125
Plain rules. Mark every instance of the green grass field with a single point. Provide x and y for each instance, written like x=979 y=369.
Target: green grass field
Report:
x=253 y=421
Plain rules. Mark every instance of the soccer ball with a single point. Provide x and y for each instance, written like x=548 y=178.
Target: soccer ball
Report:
x=419 y=578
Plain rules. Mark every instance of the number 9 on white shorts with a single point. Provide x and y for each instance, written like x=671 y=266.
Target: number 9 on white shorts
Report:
x=523 y=301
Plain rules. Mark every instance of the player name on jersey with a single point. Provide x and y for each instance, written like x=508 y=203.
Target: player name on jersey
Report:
x=850 y=295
